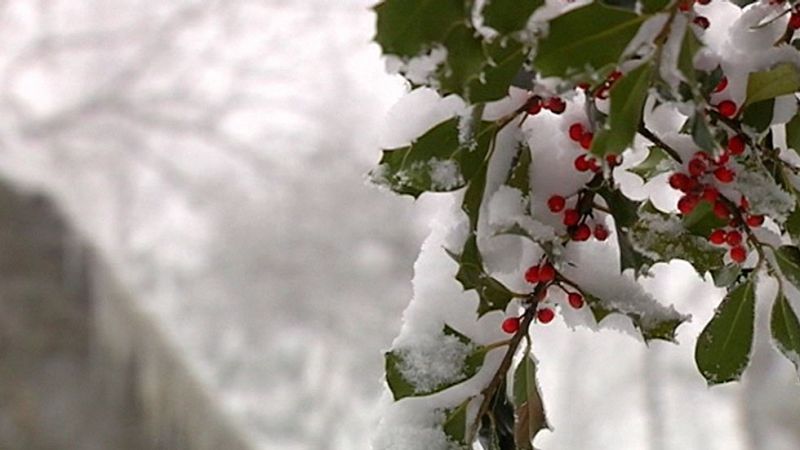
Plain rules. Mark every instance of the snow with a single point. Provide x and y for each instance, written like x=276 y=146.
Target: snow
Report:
x=430 y=362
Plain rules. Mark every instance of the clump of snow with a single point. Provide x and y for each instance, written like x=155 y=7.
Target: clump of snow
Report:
x=415 y=113
x=764 y=195
x=433 y=361
x=420 y=69
x=445 y=174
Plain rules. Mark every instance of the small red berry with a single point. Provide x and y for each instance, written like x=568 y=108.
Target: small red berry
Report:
x=738 y=254
x=613 y=160
x=582 y=233
x=575 y=300
x=556 y=105
x=794 y=21
x=571 y=217
x=734 y=238
x=704 y=2
x=687 y=203
x=721 y=85
x=755 y=221
x=600 y=232
x=679 y=181
x=511 y=325
x=576 y=131
x=582 y=163
x=717 y=237
x=710 y=194
x=545 y=315
x=532 y=275
x=744 y=203
x=547 y=273
x=721 y=210
x=685 y=5
x=727 y=108
x=584 y=86
x=701 y=22
x=586 y=140
x=602 y=93
x=736 y=145
x=697 y=167
x=534 y=105
x=556 y=203
x=723 y=158
x=593 y=165
x=614 y=76
x=723 y=174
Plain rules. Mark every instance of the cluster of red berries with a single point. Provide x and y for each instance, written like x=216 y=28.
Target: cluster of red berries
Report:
x=543 y=273
x=572 y=219
x=701 y=167
x=604 y=89
x=584 y=163
x=555 y=105
x=726 y=108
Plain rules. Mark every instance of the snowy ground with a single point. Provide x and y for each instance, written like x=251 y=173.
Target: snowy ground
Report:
x=215 y=151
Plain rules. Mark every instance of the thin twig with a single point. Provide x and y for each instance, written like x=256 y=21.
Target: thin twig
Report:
x=644 y=131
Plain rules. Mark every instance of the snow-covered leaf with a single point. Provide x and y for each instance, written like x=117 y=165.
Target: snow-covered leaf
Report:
x=723 y=348
x=501 y=63
x=793 y=133
x=786 y=330
x=432 y=366
x=656 y=163
x=471 y=274
x=508 y=16
x=530 y=416
x=625 y=214
x=604 y=34
x=627 y=102
x=455 y=425
x=407 y=28
x=437 y=162
x=788 y=259
x=689 y=48
x=519 y=176
x=782 y=79
x=727 y=275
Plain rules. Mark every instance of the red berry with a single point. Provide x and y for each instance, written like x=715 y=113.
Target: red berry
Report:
x=721 y=210
x=717 y=237
x=582 y=163
x=593 y=165
x=679 y=181
x=575 y=300
x=697 y=167
x=584 y=86
x=738 y=254
x=511 y=325
x=547 y=273
x=734 y=238
x=755 y=221
x=602 y=93
x=704 y=2
x=576 y=131
x=685 y=5
x=687 y=203
x=727 y=108
x=736 y=145
x=710 y=194
x=555 y=105
x=534 y=105
x=701 y=22
x=744 y=203
x=721 y=85
x=545 y=315
x=532 y=275
x=723 y=174
x=556 y=203
x=794 y=21
x=614 y=76
x=582 y=233
x=586 y=140
x=613 y=160
x=600 y=232
x=571 y=217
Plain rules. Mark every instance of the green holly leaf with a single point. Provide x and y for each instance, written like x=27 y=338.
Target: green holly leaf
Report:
x=519 y=176
x=455 y=425
x=404 y=379
x=727 y=275
x=701 y=132
x=529 y=409
x=702 y=220
x=792 y=224
x=786 y=330
x=663 y=329
x=723 y=348
x=627 y=103
x=656 y=163
x=584 y=39
x=793 y=133
x=407 y=28
x=788 y=259
x=508 y=16
x=492 y=293
x=652 y=6
x=689 y=48
x=436 y=162
x=783 y=79
x=625 y=213
x=758 y=115
x=664 y=238
x=501 y=62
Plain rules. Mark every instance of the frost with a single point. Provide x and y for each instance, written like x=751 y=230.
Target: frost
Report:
x=421 y=69
x=764 y=195
x=445 y=174
x=433 y=362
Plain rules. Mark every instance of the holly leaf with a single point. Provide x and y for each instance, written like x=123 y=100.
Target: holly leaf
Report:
x=455 y=425
x=586 y=38
x=501 y=63
x=519 y=176
x=702 y=220
x=783 y=79
x=625 y=214
x=723 y=348
x=652 y=6
x=436 y=162
x=492 y=293
x=656 y=163
x=689 y=48
x=662 y=329
x=786 y=330
x=792 y=224
x=793 y=133
x=788 y=259
x=726 y=275
x=701 y=132
x=529 y=409
x=627 y=102
x=407 y=28
x=508 y=16
x=758 y=115
x=401 y=375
